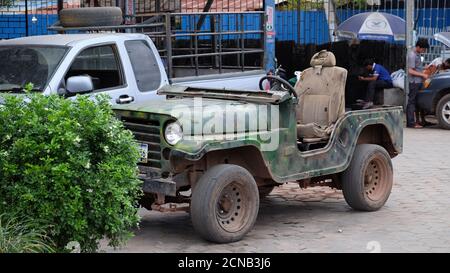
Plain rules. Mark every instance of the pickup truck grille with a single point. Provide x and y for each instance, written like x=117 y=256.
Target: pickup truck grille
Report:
x=148 y=132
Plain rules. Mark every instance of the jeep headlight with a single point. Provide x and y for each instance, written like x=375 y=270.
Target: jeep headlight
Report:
x=173 y=133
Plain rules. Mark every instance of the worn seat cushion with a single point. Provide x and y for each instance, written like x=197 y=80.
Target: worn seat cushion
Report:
x=321 y=92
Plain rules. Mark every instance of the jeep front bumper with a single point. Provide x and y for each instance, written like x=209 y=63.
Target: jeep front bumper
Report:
x=160 y=185
x=153 y=183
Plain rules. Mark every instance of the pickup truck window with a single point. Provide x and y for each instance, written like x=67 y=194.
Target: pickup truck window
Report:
x=101 y=63
x=20 y=65
x=145 y=66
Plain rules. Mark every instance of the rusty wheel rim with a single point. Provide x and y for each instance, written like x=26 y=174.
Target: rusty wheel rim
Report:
x=376 y=179
x=232 y=207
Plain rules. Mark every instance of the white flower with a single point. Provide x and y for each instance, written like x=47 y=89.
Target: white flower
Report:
x=74 y=247
x=77 y=139
x=88 y=165
x=106 y=149
x=89 y=190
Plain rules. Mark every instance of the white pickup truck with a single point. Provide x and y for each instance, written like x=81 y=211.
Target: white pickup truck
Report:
x=125 y=66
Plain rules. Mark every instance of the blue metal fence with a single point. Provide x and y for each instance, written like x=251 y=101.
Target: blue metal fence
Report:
x=14 y=25
x=301 y=26
x=314 y=26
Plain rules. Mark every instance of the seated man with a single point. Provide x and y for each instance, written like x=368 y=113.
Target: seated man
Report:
x=379 y=78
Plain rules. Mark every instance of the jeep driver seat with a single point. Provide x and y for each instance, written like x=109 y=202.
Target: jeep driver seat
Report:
x=321 y=94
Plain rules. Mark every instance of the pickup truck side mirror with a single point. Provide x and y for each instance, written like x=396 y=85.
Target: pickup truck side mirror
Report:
x=79 y=84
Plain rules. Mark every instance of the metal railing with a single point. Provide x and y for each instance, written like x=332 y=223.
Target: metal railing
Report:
x=200 y=43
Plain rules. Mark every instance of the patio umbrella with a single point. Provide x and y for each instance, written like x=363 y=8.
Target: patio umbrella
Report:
x=373 y=26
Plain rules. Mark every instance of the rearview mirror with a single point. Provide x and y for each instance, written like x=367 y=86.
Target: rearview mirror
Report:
x=79 y=84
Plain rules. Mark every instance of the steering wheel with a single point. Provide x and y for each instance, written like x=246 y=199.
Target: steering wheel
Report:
x=280 y=84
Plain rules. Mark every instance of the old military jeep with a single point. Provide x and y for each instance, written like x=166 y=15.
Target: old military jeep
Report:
x=220 y=151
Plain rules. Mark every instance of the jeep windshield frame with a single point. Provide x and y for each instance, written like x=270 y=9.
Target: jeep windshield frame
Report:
x=272 y=97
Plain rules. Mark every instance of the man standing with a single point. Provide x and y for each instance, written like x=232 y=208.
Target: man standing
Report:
x=379 y=78
x=416 y=78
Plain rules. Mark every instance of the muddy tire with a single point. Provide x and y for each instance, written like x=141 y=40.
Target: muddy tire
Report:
x=443 y=112
x=265 y=190
x=87 y=17
x=224 y=204
x=367 y=183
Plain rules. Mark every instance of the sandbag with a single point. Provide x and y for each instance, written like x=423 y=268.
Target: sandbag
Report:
x=398 y=78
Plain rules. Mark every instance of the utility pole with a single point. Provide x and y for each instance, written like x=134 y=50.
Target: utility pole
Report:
x=26 y=18
x=330 y=13
x=409 y=37
x=60 y=6
x=269 y=35
x=409 y=23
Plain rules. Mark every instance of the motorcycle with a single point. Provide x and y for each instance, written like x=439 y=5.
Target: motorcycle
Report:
x=277 y=80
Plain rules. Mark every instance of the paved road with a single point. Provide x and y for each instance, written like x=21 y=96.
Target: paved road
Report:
x=416 y=218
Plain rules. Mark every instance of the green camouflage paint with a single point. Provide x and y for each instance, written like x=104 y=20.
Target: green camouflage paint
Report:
x=286 y=162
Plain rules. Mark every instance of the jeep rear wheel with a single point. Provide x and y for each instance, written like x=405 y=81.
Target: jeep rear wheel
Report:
x=224 y=204
x=443 y=112
x=367 y=183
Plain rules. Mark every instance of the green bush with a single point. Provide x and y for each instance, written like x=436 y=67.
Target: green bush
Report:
x=70 y=164
x=20 y=235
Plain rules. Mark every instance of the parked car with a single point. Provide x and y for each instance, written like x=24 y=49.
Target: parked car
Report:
x=127 y=67
x=434 y=99
x=222 y=151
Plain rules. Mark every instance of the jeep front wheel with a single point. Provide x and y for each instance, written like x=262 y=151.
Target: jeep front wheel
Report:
x=443 y=112
x=224 y=204
x=367 y=182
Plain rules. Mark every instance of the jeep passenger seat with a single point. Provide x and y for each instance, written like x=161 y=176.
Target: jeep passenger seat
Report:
x=321 y=93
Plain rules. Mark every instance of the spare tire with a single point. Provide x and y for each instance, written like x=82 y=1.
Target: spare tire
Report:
x=88 y=17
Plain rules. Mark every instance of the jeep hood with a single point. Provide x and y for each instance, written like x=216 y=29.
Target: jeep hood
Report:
x=181 y=98
x=205 y=116
x=173 y=106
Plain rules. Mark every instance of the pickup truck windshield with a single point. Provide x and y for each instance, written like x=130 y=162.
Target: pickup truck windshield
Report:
x=20 y=65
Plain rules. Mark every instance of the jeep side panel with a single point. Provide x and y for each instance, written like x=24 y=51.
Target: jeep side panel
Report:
x=284 y=162
x=288 y=163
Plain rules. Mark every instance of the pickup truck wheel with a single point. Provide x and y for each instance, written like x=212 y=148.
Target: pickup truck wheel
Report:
x=443 y=112
x=367 y=183
x=224 y=203
x=265 y=190
x=89 y=17
x=147 y=200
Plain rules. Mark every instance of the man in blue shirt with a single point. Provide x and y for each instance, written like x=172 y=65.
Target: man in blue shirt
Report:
x=379 y=78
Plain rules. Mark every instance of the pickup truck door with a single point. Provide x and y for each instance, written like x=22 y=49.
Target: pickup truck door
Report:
x=147 y=69
x=103 y=64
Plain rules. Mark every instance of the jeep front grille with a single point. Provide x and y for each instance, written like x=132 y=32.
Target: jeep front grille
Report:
x=148 y=132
